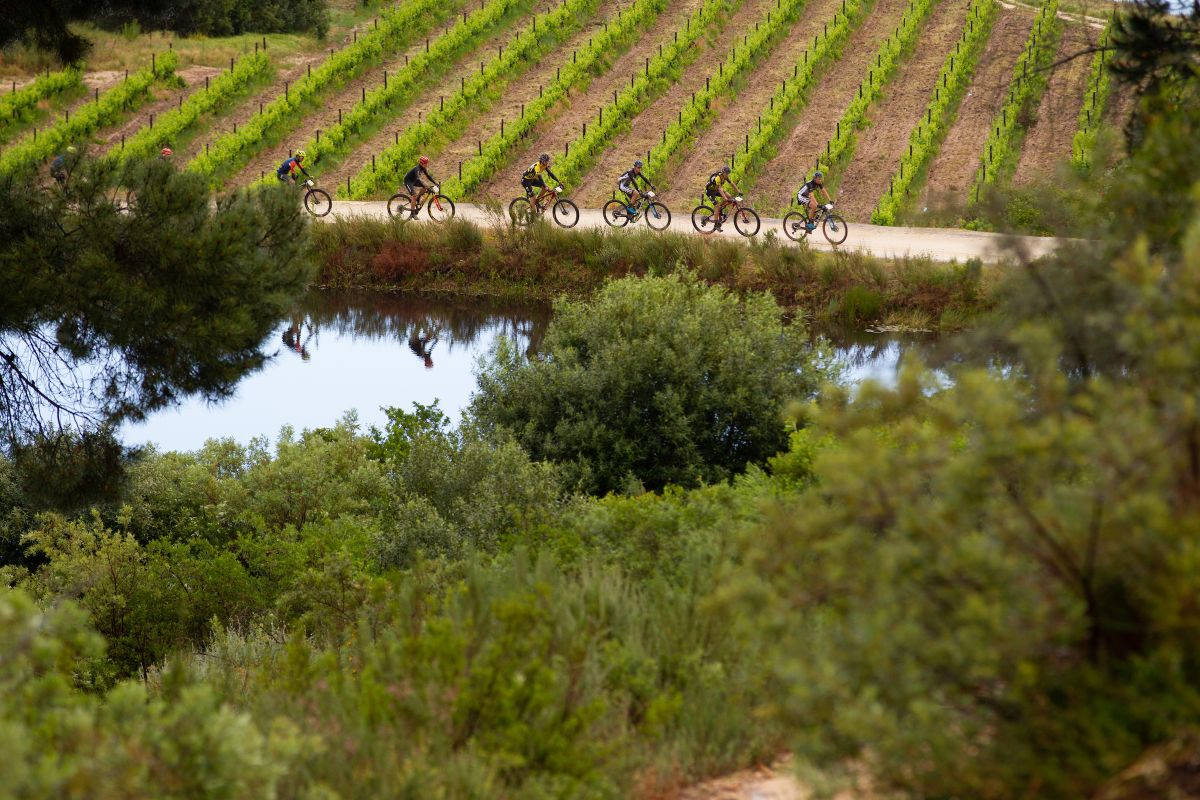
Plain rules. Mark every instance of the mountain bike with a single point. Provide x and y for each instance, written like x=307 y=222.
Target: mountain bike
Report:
x=524 y=210
x=316 y=201
x=797 y=225
x=438 y=207
x=658 y=216
x=745 y=219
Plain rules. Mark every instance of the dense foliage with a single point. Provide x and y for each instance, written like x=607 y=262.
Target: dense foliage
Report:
x=126 y=290
x=45 y=24
x=655 y=381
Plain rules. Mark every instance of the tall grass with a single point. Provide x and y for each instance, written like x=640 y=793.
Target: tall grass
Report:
x=544 y=262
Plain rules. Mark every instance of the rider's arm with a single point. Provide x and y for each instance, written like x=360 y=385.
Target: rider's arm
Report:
x=432 y=179
x=550 y=172
x=302 y=169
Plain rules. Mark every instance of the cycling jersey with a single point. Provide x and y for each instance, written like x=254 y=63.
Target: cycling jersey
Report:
x=715 y=182
x=288 y=168
x=807 y=189
x=534 y=173
x=412 y=178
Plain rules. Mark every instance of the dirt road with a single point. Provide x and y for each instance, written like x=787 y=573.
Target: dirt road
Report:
x=939 y=244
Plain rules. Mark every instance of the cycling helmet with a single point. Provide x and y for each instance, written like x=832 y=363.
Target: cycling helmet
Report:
x=72 y=149
x=637 y=164
x=423 y=161
x=300 y=154
x=166 y=152
x=544 y=158
x=818 y=174
x=726 y=169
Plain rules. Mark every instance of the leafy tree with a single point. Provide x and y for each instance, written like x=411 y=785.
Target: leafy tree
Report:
x=45 y=24
x=991 y=591
x=114 y=309
x=654 y=380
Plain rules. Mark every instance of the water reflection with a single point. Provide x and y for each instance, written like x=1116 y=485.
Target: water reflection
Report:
x=877 y=355
x=340 y=351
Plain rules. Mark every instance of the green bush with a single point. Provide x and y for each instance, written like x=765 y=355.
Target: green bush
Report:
x=654 y=381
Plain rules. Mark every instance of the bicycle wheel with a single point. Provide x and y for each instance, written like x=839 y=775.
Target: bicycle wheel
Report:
x=835 y=229
x=317 y=202
x=520 y=212
x=440 y=208
x=702 y=219
x=746 y=221
x=566 y=213
x=658 y=216
x=615 y=214
x=399 y=206
x=794 y=227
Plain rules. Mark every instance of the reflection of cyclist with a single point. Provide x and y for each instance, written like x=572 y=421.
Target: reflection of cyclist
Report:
x=421 y=343
x=291 y=339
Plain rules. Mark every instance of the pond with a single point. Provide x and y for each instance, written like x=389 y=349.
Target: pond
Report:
x=344 y=351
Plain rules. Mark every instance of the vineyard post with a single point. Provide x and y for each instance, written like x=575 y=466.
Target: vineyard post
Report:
x=566 y=148
x=260 y=107
x=154 y=66
x=441 y=102
x=339 y=116
x=318 y=135
x=647 y=67
x=35 y=134
x=395 y=137
x=364 y=94
x=356 y=34
x=385 y=79
x=122 y=141
x=522 y=111
x=480 y=146
x=502 y=127
x=372 y=162
x=839 y=129
x=426 y=44
x=287 y=87
x=96 y=96
x=264 y=43
x=206 y=148
x=256 y=48
x=126 y=75
x=347 y=186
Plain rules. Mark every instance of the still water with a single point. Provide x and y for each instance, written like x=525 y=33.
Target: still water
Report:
x=366 y=351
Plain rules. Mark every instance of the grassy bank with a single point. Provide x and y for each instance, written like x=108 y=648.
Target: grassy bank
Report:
x=545 y=262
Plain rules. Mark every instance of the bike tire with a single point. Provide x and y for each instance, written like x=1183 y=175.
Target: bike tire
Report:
x=520 y=212
x=658 y=216
x=702 y=219
x=399 y=206
x=440 y=208
x=566 y=213
x=317 y=202
x=615 y=214
x=746 y=221
x=835 y=229
x=794 y=227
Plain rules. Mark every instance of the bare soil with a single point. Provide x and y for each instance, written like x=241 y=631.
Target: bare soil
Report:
x=522 y=90
x=953 y=169
x=760 y=783
x=326 y=116
x=737 y=115
x=1048 y=142
x=891 y=120
x=582 y=106
x=647 y=127
x=817 y=122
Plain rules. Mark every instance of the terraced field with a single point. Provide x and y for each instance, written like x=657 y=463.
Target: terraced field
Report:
x=906 y=104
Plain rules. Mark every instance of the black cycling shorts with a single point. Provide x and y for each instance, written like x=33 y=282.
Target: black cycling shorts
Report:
x=534 y=183
x=714 y=195
x=412 y=187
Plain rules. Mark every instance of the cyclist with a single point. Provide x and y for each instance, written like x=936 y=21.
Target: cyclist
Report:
x=628 y=184
x=415 y=186
x=287 y=170
x=532 y=178
x=807 y=197
x=60 y=166
x=715 y=189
